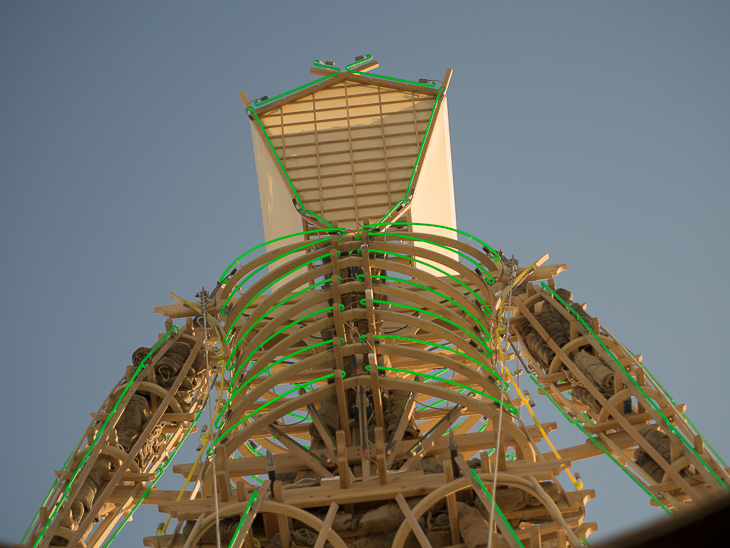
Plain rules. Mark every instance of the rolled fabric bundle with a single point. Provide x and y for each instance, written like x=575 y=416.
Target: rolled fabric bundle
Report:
x=377 y=540
x=139 y=354
x=438 y=530
x=511 y=499
x=662 y=444
x=329 y=411
x=130 y=423
x=582 y=394
x=597 y=371
x=166 y=370
x=379 y=520
x=472 y=526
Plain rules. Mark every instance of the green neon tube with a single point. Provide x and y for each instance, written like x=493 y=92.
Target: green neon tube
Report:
x=443 y=347
x=496 y=506
x=289 y=298
x=448 y=248
x=351 y=68
x=510 y=407
x=316 y=63
x=245 y=360
x=432 y=314
x=656 y=407
x=487 y=310
x=233 y=393
x=268 y=286
x=261 y=267
x=158 y=475
x=496 y=257
x=254 y=496
x=443 y=296
x=281 y=164
x=579 y=425
x=277 y=398
x=66 y=491
x=329 y=230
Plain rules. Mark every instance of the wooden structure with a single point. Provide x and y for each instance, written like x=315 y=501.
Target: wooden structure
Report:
x=368 y=364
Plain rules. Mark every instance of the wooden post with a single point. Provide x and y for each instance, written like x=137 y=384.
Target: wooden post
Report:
x=326 y=526
x=380 y=455
x=342 y=466
x=451 y=503
x=412 y=521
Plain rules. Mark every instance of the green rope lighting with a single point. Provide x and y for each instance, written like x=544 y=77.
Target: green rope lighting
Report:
x=277 y=332
x=656 y=407
x=578 y=424
x=261 y=267
x=669 y=397
x=319 y=231
x=97 y=436
x=254 y=496
x=496 y=258
x=283 y=302
x=316 y=63
x=487 y=310
x=508 y=406
x=158 y=475
x=269 y=402
x=433 y=315
x=496 y=507
x=301 y=209
x=268 y=286
x=448 y=248
x=351 y=69
x=220 y=417
x=443 y=347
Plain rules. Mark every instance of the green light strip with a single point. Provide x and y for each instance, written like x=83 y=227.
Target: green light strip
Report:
x=579 y=425
x=260 y=268
x=233 y=393
x=487 y=310
x=48 y=495
x=669 y=397
x=277 y=398
x=331 y=230
x=432 y=314
x=496 y=257
x=407 y=197
x=496 y=507
x=349 y=68
x=233 y=323
x=246 y=359
x=281 y=164
x=448 y=248
x=289 y=298
x=510 y=407
x=158 y=475
x=409 y=339
x=656 y=407
x=316 y=63
x=443 y=296
x=82 y=462
x=254 y=496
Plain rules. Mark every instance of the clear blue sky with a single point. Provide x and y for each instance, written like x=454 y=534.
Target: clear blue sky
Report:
x=597 y=132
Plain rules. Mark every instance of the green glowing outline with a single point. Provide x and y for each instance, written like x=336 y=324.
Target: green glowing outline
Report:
x=496 y=257
x=448 y=381
x=656 y=407
x=82 y=462
x=496 y=506
x=269 y=402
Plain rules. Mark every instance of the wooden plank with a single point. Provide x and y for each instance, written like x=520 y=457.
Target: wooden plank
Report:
x=412 y=521
x=326 y=526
